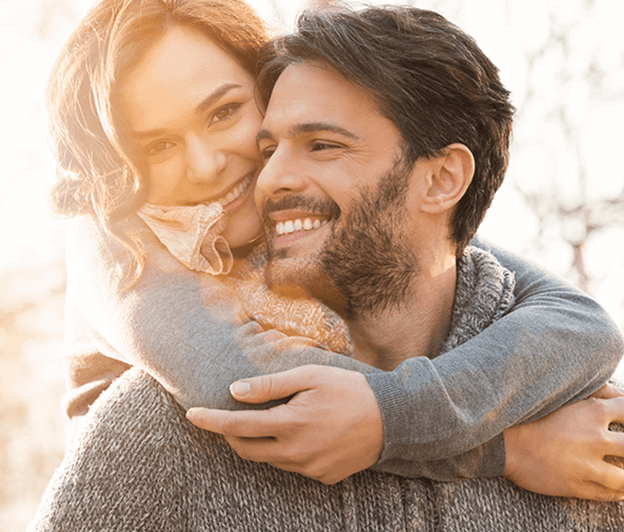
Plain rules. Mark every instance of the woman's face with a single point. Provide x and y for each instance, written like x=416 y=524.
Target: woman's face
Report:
x=190 y=109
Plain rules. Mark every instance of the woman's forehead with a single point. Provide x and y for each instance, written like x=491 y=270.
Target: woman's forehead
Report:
x=179 y=72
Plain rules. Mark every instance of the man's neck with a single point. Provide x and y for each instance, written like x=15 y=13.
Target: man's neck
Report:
x=417 y=327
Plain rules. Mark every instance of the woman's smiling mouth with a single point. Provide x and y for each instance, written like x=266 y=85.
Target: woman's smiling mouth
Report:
x=235 y=193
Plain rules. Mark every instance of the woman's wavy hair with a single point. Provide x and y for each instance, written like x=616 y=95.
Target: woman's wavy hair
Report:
x=97 y=174
x=427 y=76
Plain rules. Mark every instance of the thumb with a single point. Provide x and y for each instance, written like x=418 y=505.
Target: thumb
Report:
x=608 y=391
x=270 y=387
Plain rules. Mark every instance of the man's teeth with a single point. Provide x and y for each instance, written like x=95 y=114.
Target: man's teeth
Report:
x=235 y=193
x=290 y=226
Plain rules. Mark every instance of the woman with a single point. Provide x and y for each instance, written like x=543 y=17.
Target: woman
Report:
x=152 y=105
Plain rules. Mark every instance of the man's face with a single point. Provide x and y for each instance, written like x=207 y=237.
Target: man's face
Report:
x=338 y=200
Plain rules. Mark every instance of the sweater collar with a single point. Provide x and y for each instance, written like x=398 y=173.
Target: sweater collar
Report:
x=484 y=293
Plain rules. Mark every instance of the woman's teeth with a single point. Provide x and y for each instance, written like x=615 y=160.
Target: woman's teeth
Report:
x=290 y=226
x=235 y=193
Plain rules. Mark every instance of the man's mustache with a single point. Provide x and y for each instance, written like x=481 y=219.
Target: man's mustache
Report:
x=324 y=207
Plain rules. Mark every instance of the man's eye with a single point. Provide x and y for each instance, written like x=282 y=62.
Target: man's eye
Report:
x=320 y=146
x=267 y=152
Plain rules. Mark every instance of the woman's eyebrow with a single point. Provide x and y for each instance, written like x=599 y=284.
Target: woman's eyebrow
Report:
x=206 y=103
x=215 y=96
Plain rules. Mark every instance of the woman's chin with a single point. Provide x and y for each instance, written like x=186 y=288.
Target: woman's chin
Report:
x=240 y=234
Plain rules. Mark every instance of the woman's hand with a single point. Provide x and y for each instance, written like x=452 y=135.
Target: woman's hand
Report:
x=563 y=454
x=330 y=429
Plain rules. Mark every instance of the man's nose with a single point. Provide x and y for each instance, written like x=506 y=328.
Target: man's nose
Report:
x=281 y=175
x=203 y=162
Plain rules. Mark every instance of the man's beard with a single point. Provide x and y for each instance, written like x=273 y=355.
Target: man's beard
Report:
x=366 y=264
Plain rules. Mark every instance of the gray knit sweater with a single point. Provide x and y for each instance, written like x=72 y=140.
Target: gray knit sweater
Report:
x=138 y=465
x=192 y=334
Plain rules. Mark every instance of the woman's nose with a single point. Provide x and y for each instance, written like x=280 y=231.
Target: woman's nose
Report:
x=203 y=162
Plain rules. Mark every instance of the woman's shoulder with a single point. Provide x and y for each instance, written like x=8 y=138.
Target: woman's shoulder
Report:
x=87 y=239
x=95 y=254
x=86 y=233
x=91 y=247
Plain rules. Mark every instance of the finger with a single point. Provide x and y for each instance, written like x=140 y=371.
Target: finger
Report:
x=608 y=391
x=242 y=424
x=615 y=409
x=615 y=441
x=595 y=492
x=286 y=466
x=608 y=476
x=307 y=469
x=270 y=387
x=259 y=450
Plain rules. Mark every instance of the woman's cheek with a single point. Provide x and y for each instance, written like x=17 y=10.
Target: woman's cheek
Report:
x=162 y=182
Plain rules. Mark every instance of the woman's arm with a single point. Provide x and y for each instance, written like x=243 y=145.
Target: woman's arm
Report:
x=188 y=331
x=556 y=346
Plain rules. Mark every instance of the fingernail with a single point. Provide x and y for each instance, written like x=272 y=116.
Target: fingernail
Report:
x=240 y=388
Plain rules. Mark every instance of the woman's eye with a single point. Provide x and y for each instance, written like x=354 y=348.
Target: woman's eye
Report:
x=223 y=113
x=157 y=148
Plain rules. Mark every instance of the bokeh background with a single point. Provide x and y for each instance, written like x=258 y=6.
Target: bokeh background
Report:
x=562 y=203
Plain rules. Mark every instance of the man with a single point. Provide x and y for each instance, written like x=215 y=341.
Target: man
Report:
x=391 y=179
x=396 y=206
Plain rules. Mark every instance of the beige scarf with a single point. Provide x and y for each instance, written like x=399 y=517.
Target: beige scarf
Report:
x=193 y=236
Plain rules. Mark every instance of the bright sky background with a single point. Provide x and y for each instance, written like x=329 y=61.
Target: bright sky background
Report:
x=30 y=238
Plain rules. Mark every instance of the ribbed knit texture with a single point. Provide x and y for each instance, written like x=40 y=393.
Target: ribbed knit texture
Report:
x=138 y=465
x=141 y=466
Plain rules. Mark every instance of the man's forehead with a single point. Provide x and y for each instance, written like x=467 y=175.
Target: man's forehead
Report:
x=310 y=93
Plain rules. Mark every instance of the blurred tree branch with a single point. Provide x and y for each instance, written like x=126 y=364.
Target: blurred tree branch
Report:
x=567 y=202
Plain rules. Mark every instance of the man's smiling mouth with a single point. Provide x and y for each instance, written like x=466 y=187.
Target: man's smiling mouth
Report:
x=298 y=224
x=295 y=216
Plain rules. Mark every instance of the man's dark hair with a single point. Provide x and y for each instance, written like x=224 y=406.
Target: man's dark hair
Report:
x=426 y=75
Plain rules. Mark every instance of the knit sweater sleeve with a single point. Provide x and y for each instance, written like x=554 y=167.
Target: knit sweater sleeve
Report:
x=556 y=346
x=442 y=418
x=186 y=329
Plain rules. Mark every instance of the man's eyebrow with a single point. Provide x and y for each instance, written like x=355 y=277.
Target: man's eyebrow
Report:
x=310 y=127
x=264 y=134
x=206 y=103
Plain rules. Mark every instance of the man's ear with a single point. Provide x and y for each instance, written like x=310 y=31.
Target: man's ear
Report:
x=450 y=177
